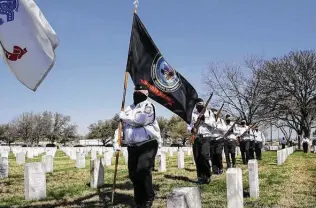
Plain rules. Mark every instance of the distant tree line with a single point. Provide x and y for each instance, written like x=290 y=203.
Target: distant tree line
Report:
x=31 y=128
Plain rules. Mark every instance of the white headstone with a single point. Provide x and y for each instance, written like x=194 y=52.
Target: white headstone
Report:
x=170 y=152
x=80 y=160
x=20 y=158
x=125 y=155
x=162 y=162
x=5 y=154
x=96 y=173
x=34 y=181
x=253 y=178
x=238 y=151
x=48 y=163
x=30 y=153
x=108 y=158
x=234 y=188
x=4 y=167
x=73 y=154
x=185 y=197
x=100 y=151
x=93 y=154
x=180 y=159
x=279 y=157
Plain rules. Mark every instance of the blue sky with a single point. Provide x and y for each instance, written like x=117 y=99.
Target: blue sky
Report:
x=87 y=80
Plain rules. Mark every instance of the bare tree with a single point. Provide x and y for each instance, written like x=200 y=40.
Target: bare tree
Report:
x=8 y=133
x=25 y=126
x=69 y=132
x=103 y=129
x=59 y=123
x=238 y=87
x=42 y=126
x=289 y=85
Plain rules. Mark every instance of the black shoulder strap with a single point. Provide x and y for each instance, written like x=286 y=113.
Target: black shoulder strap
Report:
x=154 y=112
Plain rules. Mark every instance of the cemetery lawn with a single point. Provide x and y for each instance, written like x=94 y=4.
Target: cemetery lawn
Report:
x=291 y=185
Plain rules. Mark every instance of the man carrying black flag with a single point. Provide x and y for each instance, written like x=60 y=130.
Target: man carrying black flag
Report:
x=142 y=135
x=154 y=78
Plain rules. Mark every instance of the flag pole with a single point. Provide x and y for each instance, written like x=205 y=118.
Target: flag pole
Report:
x=117 y=154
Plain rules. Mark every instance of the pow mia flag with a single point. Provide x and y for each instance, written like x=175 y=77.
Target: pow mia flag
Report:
x=147 y=66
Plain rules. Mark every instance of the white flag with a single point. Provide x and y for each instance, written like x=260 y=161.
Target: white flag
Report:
x=28 y=41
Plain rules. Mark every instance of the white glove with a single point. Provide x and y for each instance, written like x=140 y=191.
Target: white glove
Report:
x=116 y=147
x=122 y=115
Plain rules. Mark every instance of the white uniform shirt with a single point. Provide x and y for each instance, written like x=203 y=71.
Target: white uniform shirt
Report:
x=305 y=140
x=139 y=124
x=231 y=136
x=220 y=129
x=208 y=128
x=240 y=130
x=283 y=141
x=205 y=126
x=258 y=136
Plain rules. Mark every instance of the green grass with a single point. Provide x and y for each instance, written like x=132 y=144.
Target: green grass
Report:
x=291 y=185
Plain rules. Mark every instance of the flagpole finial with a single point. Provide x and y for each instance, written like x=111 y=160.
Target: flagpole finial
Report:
x=136 y=3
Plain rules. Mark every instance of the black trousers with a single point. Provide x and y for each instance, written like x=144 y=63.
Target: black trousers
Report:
x=217 y=148
x=244 y=150
x=251 y=149
x=140 y=162
x=230 y=152
x=305 y=147
x=283 y=146
x=258 y=147
x=202 y=155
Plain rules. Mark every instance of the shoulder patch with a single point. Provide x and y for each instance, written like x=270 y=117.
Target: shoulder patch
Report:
x=148 y=109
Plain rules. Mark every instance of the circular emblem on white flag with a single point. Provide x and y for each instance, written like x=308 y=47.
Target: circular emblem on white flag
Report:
x=164 y=76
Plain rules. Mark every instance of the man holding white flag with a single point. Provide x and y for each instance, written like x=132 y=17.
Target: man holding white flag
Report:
x=27 y=40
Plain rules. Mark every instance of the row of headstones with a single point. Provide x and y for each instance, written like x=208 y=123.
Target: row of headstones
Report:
x=283 y=154
x=79 y=156
x=47 y=160
x=191 y=196
x=36 y=172
x=162 y=159
x=30 y=152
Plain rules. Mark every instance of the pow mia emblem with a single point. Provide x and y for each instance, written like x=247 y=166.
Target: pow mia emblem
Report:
x=164 y=76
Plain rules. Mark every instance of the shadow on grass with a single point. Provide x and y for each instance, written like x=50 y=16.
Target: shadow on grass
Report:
x=180 y=178
x=189 y=169
x=124 y=186
x=104 y=200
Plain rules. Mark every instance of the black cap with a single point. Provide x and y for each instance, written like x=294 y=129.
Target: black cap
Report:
x=227 y=116
x=199 y=100
x=140 y=87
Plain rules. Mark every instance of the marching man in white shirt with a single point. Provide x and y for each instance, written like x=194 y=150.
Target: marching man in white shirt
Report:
x=305 y=143
x=244 y=141
x=204 y=144
x=230 y=145
x=142 y=135
x=260 y=140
